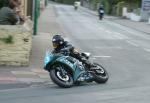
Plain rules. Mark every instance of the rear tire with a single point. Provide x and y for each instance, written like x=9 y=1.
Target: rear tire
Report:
x=102 y=76
x=62 y=81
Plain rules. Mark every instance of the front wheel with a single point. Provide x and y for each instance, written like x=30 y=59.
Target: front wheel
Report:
x=100 y=74
x=61 y=76
x=75 y=7
x=100 y=16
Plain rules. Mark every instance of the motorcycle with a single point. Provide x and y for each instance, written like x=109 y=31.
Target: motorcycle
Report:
x=66 y=71
x=101 y=14
x=76 y=5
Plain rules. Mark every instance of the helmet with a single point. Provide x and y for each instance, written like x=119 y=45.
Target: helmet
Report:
x=102 y=5
x=57 y=41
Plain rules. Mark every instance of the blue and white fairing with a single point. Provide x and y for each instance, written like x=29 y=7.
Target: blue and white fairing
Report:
x=73 y=64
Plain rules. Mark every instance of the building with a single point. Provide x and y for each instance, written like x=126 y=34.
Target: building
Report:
x=27 y=7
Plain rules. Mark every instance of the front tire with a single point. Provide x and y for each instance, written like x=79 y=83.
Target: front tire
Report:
x=101 y=75
x=65 y=80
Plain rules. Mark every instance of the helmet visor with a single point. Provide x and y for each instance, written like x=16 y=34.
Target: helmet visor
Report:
x=55 y=45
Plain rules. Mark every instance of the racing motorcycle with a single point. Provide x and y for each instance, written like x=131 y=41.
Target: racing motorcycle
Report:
x=66 y=71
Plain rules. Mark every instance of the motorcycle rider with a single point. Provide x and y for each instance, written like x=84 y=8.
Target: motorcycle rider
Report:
x=101 y=12
x=60 y=45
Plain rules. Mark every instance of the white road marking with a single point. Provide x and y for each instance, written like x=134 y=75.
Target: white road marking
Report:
x=101 y=56
x=132 y=43
x=131 y=32
x=120 y=36
x=101 y=28
x=148 y=50
x=117 y=47
x=117 y=33
x=109 y=32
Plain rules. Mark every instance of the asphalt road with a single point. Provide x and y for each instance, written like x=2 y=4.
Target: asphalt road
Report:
x=124 y=52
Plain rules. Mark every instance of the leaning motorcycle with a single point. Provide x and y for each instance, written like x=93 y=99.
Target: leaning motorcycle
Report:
x=66 y=71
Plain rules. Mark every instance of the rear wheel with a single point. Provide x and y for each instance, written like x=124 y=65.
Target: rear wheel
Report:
x=61 y=76
x=100 y=74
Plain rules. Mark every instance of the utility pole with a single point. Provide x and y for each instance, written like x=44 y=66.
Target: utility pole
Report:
x=35 y=9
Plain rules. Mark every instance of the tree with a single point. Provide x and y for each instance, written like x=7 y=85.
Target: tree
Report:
x=3 y=3
x=114 y=2
x=131 y=3
x=66 y=1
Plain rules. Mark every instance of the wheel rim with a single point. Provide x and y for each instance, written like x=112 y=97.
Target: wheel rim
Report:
x=62 y=74
x=62 y=77
x=100 y=71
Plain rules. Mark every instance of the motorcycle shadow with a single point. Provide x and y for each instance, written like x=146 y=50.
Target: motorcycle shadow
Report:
x=81 y=85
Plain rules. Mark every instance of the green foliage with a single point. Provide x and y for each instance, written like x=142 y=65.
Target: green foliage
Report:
x=94 y=4
x=117 y=5
x=137 y=2
x=3 y=3
x=69 y=1
x=7 y=40
x=107 y=6
x=60 y=1
x=66 y=1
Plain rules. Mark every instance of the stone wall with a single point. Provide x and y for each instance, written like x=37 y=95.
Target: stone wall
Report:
x=17 y=52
